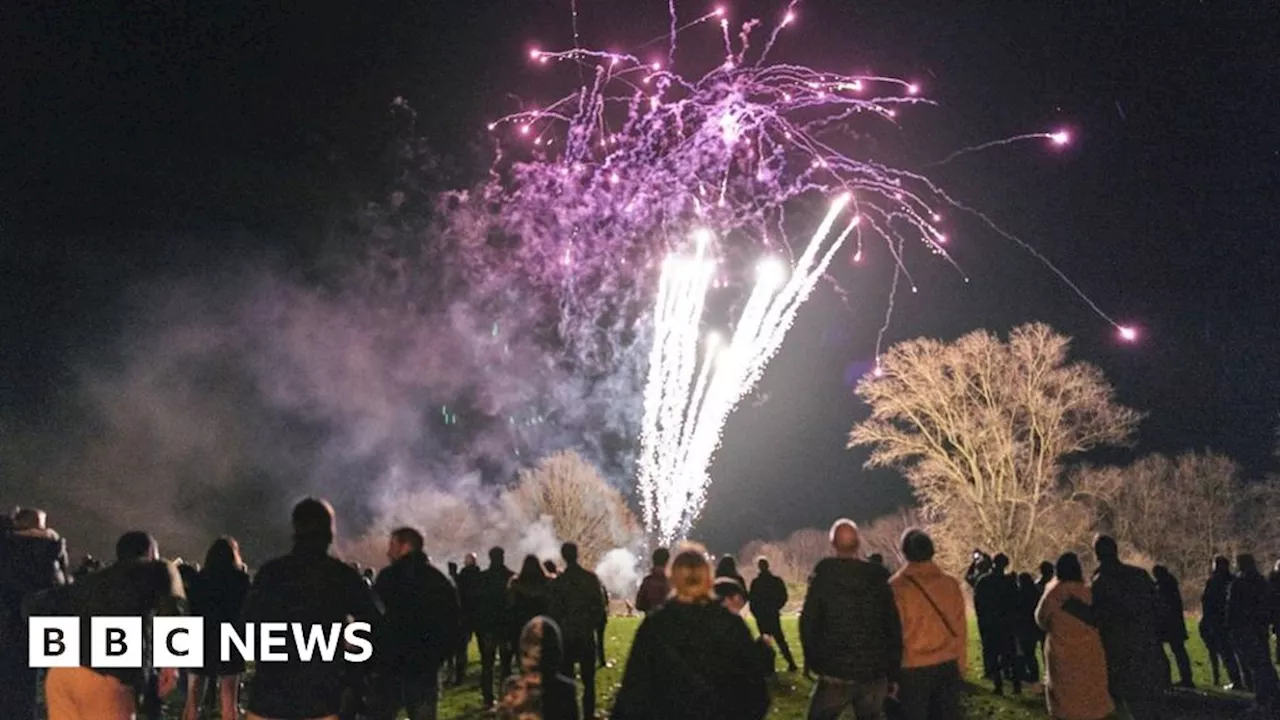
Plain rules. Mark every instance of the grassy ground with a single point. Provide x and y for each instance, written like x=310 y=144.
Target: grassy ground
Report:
x=790 y=692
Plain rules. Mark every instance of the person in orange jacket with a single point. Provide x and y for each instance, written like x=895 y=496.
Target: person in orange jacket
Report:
x=934 y=634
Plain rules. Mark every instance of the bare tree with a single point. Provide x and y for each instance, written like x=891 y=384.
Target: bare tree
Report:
x=582 y=506
x=1178 y=511
x=980 y=428
x=884 y=534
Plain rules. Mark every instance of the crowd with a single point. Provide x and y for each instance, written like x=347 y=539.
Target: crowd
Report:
x=878 y=642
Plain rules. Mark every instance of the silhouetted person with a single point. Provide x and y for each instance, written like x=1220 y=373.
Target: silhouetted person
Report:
x=1028 y=633
x=979 y=565
x=217 y=593
x=1125 y=602
x=1075 y=663
x=602 y=625
x=469 y=584
x=529 y=594
x=420 y=630
x=139 y=584
x=733 y=597
x=310 y=587
x=692 y=659
x=1213 y=624
x=934 y=634
x=451 y=662
x=1249 y=621
x=539 y=691
x=577 y=605
x=768 y=597
x=877 y=559
x=728 y=568
x=1172 y=622
x=550 y=567
x=492 y=622
x=995 y=601
x=33 y=558
x=850 y=631
x=654 y=589
x=1046 y=576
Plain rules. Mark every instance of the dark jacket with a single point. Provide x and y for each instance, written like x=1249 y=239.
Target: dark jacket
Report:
x=527 y=601
x=422 y=617
x=218 y=597
x=654 y=590
x=849 y=626
x=1248 y=603
x=1028 y=601
x=1126 y=603
x=692 y=662
x=491 y=612
x=1213 y=603
x=768 y=595
x=996 y=602
x=577 y=603
x=310 y=587
x=30 y=562
x=469 y=590
x=1172 y=624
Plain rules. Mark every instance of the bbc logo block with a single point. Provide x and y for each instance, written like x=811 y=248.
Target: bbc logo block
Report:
x=180 y=642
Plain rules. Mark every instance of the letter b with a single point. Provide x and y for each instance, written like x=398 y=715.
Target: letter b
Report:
x=116 y=642
x=53 y=642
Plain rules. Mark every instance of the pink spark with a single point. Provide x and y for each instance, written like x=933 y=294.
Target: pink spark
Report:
x=524 y=129
x=890 y=113
x=492 y=126
x=1062 y=137
x=942 y=239
x=913 y=89
x=790 y=18
x=535 y=53
x=613 y=178
x=937 y=217
x=719 y=12
x=879 y=371
x=1128 y=333
x=656 y=66
x=857 y=257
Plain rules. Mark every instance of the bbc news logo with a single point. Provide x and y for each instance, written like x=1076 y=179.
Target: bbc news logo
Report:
x=179 y=642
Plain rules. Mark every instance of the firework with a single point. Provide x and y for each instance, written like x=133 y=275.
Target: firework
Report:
x=688 y=399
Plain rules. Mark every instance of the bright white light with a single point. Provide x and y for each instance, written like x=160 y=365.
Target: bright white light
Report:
x=770 y=272
x=913 y=89
x=1062 y=137
x=1127 y=333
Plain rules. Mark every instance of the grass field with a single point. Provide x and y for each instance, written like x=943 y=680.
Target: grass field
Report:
x=790 y=692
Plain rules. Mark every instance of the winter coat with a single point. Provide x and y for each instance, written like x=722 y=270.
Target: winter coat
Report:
x=527 y=601
x=218 y=597
x=577 y=603
x=768 y=595
x=1248 y=603
x=31 y=561
x=422 y=616
x=692 y=661
x=469 y=590
x=996 y=602
x=1028 y=600
x=492 y=615
x=310 y=587
x=539 y=691
x=1172 y=622
x=1076 y=666
x=653 y=592
x=930 y=636
x=1126 y=602
x=1213 y=606
x=849 y=626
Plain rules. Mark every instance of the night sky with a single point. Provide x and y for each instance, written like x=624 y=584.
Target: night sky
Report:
x=146 y=142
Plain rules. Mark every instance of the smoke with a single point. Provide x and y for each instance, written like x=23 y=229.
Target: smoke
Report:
x=227 y=399
x=619 y=570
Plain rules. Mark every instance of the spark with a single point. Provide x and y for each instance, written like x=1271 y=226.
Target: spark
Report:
x=687 y=398
x=1128 y=333
x=1059 y=138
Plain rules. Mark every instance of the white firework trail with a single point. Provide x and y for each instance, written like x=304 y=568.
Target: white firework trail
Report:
x=689 y=394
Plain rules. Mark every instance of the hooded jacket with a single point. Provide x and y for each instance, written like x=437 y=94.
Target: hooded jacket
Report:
x=849 y=626
x=539 y=691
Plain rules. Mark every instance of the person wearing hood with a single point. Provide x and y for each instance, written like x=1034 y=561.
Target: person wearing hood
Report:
x=33 y=559
x=1213 y=624
x=539 y=691
x=850 y=631
x=692 y=659
x=419 y=632
x=1076 y=666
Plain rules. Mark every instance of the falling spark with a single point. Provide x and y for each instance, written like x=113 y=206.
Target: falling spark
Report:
x=1058 y=138
x=687 y=398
